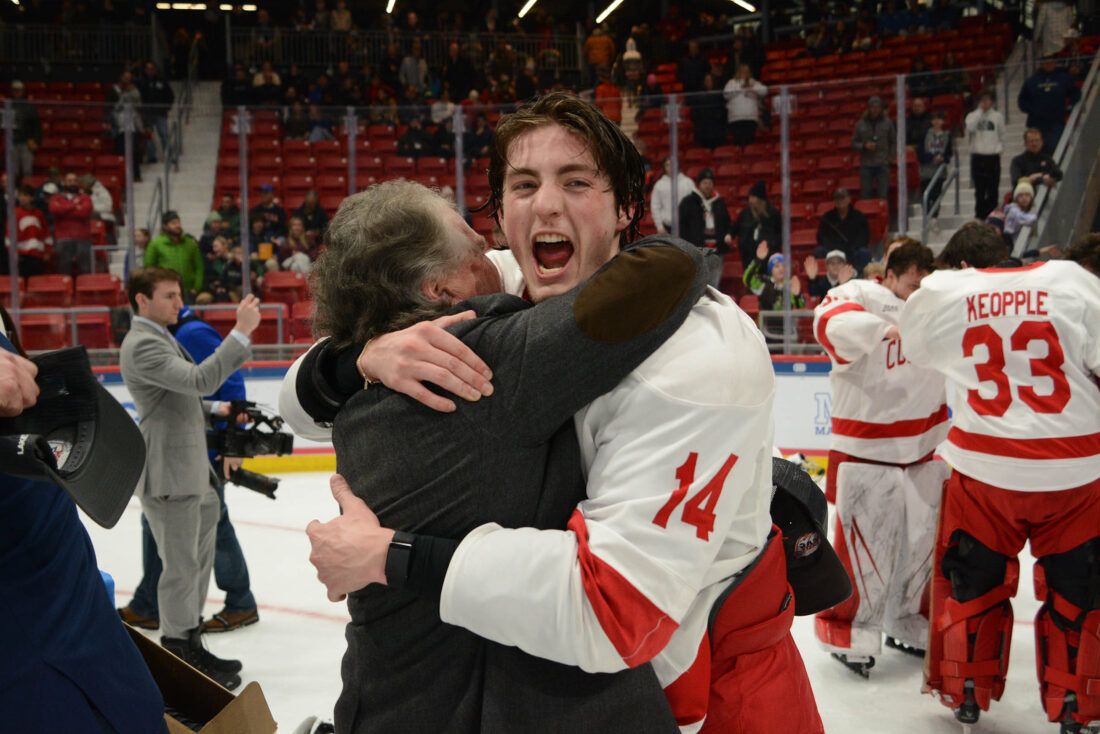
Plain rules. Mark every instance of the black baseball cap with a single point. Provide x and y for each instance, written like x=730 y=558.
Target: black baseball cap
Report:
x=814 y=570
x=76 y=435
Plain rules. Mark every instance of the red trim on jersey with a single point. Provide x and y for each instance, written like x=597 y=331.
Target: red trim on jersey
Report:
x=633 y=623
x=898 y=429
x=819 y=331
x=689 y=695
x=1067 y=447
x=1020 y=269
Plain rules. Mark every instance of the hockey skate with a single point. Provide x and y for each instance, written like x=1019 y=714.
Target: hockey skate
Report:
x=859 y=664
x=967 y=714
x=902 y=647
x=1072 y=727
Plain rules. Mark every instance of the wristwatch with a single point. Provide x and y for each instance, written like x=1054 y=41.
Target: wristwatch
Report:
x=399 y=559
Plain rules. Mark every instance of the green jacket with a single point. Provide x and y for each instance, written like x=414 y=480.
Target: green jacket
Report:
x=184 y=257
x=770 y=294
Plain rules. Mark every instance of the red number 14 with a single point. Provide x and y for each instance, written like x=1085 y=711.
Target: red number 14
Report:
x=699 y=510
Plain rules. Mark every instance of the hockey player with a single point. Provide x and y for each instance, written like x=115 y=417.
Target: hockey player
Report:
x=888 y=416
x=678 y=471
x=1020 y=348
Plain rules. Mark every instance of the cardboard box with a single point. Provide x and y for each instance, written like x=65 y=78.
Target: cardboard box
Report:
x=200 y=699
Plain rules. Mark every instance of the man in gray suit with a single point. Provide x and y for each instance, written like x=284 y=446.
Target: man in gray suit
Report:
x=176 y=493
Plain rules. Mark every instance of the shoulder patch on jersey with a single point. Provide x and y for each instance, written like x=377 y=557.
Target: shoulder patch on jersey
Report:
x=610 y=291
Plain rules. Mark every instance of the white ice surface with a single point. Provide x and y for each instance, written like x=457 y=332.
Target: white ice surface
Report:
x=295 y=650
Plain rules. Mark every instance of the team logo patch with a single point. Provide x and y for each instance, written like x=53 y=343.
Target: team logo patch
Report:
x=807 y=545
x=61 y=450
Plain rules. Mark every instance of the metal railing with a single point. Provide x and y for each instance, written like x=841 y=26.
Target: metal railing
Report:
x=1081 y=135
x=280 y=309
x=934 y=206
x=55 y=44
x=787 y=340
x=70 y=312
x=284 y=46
x=155 y=209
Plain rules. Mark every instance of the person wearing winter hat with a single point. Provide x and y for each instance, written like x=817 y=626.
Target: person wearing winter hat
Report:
x=758 y=222
x=765 y=277
x=1020 y=212
x=705 y=220
x=175 y=250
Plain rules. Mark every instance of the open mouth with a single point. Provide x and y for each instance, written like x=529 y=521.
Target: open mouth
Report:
x=552 y=253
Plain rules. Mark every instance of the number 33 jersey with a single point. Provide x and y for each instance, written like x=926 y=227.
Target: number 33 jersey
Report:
x=1020 y=348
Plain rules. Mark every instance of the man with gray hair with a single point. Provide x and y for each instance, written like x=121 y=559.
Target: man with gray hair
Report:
x=396 y=255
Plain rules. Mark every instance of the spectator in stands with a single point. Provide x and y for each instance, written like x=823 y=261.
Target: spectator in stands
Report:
x=838 y=271
x=157 y=99
x=985 y=129
x=273 y=215
x=443 y=107
x=661 y=200
x=745 y=50
x=264 y=37
x=599 y=51
x=1053 y=18
x=414 y=68
x=874 y=138
x=176 y=250
x=819 y=41
x=220 y=278
x=231 y=215
x=1018 y=214
x=477 y=141
x=293 y=77
x=935 y=151
x=844 y=228
x=951 y=79
x=296 y=124
x=320 y=92
x=708 y=115
x=72 y=212
x=705 y=219
x=920 y=80
x=321 y=126
x=237 y=89
x=347 y=94
x=458 y=75
x=917 y=123
x=1035 y=163
x=1045 y=98
x=1072 y=58
x=125 y=96
x=103 y=206
x=744 y=97
x=415 y=141
x=527 y=83
x=389 y=68
x=49 y=187
x=27 y=134
x=299 y=250
x=340 y=18
x=313 y=217
x=693 y=68
x=214 y=227
x=141 y=243
x=652 y=96
x=608 y=97
x=236 y=272
x=443 y=139
x=267 y=86
x=765 y=277
x=33 y=242
x=758 y=222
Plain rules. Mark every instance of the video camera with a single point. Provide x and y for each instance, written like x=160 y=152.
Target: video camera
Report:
x=249 y=440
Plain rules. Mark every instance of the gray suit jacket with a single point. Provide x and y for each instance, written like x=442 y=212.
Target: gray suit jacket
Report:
x=512 y=458
x=167 y=388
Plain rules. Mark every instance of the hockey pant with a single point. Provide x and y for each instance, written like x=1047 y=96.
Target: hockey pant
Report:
x=758 y=682
x=884 y=533
x=975 y=573
x=839 y=458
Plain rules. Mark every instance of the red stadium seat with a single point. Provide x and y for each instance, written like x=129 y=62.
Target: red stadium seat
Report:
x=221 y=318
x=49 y=290
x=284 y=286
x=43 y=331
x=5 y=289
x=268 y=330
x=99 y=289
x=301 y=320
x=93 y=330
x=400 y=166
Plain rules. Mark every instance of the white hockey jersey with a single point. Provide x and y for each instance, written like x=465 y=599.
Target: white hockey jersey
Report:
x=884 y=407
x=678 y=457
x=1020 y=348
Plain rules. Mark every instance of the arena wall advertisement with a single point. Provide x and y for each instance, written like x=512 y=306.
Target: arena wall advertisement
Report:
x=802 y=410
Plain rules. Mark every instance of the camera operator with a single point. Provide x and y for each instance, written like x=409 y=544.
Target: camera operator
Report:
x=68 y=663
x=176 y=490
x=201 y=340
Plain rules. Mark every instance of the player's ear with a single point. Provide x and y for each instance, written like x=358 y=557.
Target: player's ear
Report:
x=625 y=215
x=433 y=290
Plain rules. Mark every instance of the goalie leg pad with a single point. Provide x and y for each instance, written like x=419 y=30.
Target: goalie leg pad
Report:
x=975 y=624
x=1067 y=633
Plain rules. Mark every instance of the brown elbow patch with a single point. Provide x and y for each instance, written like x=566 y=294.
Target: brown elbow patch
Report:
x=640 y=290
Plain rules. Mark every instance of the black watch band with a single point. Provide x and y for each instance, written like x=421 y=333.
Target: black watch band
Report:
x=399 y=559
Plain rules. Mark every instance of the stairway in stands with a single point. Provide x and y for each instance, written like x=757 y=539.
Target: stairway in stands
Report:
x=949 y=221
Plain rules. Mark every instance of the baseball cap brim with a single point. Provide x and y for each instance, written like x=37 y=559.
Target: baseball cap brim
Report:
x=78 y=436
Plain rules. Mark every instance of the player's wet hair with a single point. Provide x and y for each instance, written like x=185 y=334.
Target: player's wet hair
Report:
x=614 y=154
x=1086 y=253
x=977 y=244
x=908 y=255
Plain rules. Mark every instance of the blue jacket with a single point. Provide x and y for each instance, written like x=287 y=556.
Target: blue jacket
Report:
x=1045 y=97
x=67 y=664
x=200 y=339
